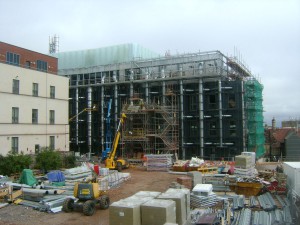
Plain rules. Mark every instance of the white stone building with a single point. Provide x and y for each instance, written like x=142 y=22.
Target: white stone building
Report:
x=33 y=102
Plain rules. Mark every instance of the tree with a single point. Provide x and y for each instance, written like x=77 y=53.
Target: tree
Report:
x=48 y=159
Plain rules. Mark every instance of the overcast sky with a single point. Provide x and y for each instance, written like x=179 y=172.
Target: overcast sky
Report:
x=265 y=32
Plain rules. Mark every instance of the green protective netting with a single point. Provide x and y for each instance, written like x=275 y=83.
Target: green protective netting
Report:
x=254 y=116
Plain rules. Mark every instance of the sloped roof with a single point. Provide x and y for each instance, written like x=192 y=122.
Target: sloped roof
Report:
x=280 y=134
x=277 y=136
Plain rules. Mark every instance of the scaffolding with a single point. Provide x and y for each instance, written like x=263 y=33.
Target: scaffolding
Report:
x=190 y=104
x=151 y=128
x=254 y=114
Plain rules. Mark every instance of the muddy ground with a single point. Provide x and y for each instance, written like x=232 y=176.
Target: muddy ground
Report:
x=141 y=180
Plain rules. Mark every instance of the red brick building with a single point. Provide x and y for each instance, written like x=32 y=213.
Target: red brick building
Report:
x=28 y=59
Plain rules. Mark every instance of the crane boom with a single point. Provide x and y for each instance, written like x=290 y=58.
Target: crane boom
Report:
x=108 y=133
x=110 y=161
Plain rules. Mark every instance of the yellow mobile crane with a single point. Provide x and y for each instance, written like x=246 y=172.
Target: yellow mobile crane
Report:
x=112 y=162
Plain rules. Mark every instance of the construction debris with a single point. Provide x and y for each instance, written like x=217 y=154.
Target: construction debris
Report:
x=49 y=195
x=196 y=197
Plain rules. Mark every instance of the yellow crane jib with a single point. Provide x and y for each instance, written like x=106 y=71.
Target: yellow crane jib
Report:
x=84 y=110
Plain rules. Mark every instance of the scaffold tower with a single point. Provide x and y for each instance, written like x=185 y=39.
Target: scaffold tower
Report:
x=254 y=114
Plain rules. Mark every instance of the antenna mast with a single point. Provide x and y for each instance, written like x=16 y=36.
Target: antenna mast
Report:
x=53 y=44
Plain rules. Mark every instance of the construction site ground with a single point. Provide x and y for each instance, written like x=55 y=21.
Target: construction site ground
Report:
x=141 y=180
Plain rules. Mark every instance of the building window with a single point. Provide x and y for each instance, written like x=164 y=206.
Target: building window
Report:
x=213 y=128
x=15 y=115
x=35 y=89
x=52 y=142
x=15 y=145
x=194 y=131
x=231 y=101
x=12 y=58
x=52 y=91
x=52 y=117
x=27 y=64
x=37 y=149
x=212 y=101
x=193 y=103
x=41 y=65
x=35 y=116
x=232 y=128
x=15 y=87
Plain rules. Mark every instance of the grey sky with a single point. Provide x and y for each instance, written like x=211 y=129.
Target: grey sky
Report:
x=266 y=33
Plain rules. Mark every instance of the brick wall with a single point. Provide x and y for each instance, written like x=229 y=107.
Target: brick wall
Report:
x=28 y=56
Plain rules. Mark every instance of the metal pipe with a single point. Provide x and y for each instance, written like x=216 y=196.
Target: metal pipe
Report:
x=115 y=76
x=147 y=92
x=220 y=112
x=116 y=105
x=102 y=119
x=164 y=93
x=131 y=93
x=89 y=121
x=181 y=118
x=201 y=116
x=162 y=72
x=76 y=112
x=243 y=117
x=34 y=191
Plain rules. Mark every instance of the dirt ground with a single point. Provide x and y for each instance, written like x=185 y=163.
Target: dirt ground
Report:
x=141 y=180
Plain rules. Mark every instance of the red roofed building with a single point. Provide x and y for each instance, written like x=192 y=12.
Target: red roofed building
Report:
x=276 y=140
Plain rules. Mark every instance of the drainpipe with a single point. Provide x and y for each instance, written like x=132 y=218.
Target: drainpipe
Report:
x=181 y=118
x=89 y=121
x=201 y=116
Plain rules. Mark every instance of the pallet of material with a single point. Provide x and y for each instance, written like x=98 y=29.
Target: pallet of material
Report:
x=159 y=162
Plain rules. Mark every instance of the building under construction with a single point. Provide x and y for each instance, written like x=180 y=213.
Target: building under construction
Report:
x=203 y=104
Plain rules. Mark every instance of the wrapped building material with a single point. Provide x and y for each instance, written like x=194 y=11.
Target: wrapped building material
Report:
x=152 y=194
x=202 y=189
x=243 y=161
x=187 y=194
x=180 y=200
x=125 y=212
x=196 y=177
x=159 y=162
x=158 y=212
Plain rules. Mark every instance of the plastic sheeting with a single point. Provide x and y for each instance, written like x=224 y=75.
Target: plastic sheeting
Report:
x=27 y=178
x=103 y=56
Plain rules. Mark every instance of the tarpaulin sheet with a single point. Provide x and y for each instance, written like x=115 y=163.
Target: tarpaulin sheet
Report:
x=56 y=176
x=27 y=177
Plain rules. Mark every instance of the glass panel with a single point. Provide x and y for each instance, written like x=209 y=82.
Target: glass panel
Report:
x=34 y=116
x=52 y=117
x=52 y=142
x=15 y=144
x=15 y=115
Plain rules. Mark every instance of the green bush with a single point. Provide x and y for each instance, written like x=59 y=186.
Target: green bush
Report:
x=70 y=161
x=14 y=163
x=48 y=159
